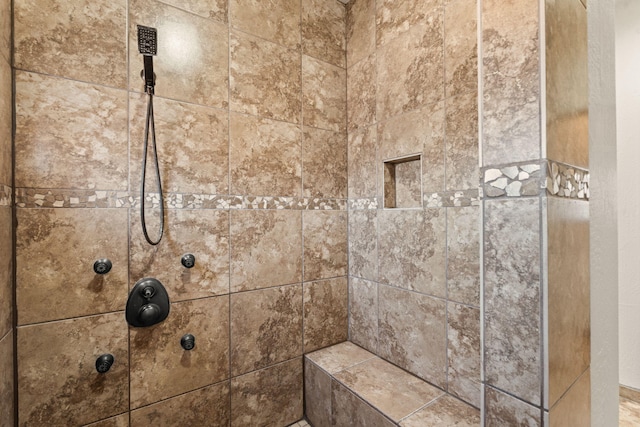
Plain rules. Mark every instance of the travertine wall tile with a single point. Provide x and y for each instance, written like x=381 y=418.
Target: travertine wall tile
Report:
x=339 y=357
x=161 y=368
x=569 y=351
x=511 y=82
x=192 y=143
x=323 y=31
x=117 y=421
x=463 y=352
x=504 y=410
x=324 y=163
x=203 y=233
x=5 y=33
x=214 y=9
x=363 y=244
x=57 y=370
x=265 y=79
x=265 y=156
x=207 y=406
x=413 y=333
x=461 y=132
x=362 y=162
x=6 y=380
x=6 y=271
x=574 y=408
x=266 y=249
x=394 y=18
x=512 y=354
x=84 y=42
x=325 y=313
x=463 y=255
x=410 y=72
x=349 y=409
x=277 y=21
x=6 y=116
x=266 y=327
x=363 y=313
x=325 y=244
x=361 y=94
x=64 y=244
x=411 y=253
x=74 y=137
x=317 y=395
x=324 y=90
x=361 y=30
x=444 y=411
x=272 y=397
x=460 y=47
x=186 y=69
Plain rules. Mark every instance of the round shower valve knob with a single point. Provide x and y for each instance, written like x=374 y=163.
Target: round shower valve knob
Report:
x=188 y=342
x=102 y=266
x=104 y=362
x=188 y=260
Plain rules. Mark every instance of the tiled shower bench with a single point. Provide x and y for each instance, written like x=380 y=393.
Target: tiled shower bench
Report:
x=346 y=385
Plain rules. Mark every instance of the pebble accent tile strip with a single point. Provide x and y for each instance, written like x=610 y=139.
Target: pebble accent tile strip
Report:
x=533 y=179
x=301 y=423
x=5 y=195
x=55 y=198
x=363 y=204
x=450 y=199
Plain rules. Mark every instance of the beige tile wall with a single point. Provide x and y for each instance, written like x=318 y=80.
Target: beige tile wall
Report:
x=414 y=273
x=251 y=124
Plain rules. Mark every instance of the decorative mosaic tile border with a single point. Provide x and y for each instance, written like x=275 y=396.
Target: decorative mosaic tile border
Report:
x=363 y=204
x=450 y=199
x=533 y=179
x=5 y=195
x=50 y=198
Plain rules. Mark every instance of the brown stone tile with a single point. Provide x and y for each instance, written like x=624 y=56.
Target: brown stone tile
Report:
x=272 y=397
x=462 y=142
x=324 y=161
x=265 y=157
x=317 y=395
x=629 y=413
x=325 y=244
x=463 y=255
x=403 y=186
x=363 y=244
x=83 y=42
x=413 y=333
x=75 y=137
x=214 y=9
x=6 y=270
x=6 y=380
x=208 y=406
x=64 y=244
x=504 y=410
x=161 y=368
x=569 y=330
x=362 y=162
x=277 y=21
x=338 y=357
x=363 y=313
x=349 y=410
x=361 y=30
x=411 y=251
x=463 y=352
x=323 y=31
x=203 y=233
x=574 y=408
x=266 y=327
x=266 y=249
x=444 y=412
x=266 y=78
x=324 y=95
x=460 y=46
x=186 y=68
x=325 y=313
x=511 y=82
x=567 y=83
x=192 y=142
x=57 y=370
x=5 y=33
x=512 y=359
x=391 y=390
x=361 y=94
x=394 y=18
x=117 y=421
x=6 y=117
x=418 y=132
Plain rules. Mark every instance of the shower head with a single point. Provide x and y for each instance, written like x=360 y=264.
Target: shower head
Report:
x=147 y=40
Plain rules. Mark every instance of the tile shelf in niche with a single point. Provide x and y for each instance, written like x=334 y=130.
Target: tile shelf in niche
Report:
x=403 y=182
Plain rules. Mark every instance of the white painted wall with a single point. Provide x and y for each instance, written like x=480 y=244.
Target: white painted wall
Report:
x=628 y=130
x=603 y=213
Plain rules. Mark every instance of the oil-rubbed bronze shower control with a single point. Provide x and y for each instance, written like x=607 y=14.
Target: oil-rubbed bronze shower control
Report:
x=148 y=303
x=188 y=341
x=188 y=260
x=102 y=266
x=104 y=362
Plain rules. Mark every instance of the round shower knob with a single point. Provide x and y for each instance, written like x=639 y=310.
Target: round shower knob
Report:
x=188 y=260
x=104 y=362
x=102 y=266
x=188 y=342
x=149 y=314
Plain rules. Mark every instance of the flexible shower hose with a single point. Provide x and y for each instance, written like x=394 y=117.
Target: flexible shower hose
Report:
x=150 y=127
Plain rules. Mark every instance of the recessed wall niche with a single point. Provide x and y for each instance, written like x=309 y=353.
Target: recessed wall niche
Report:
x=403 y=182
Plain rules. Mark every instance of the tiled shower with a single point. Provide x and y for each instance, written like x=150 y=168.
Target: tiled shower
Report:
x=335 y=176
